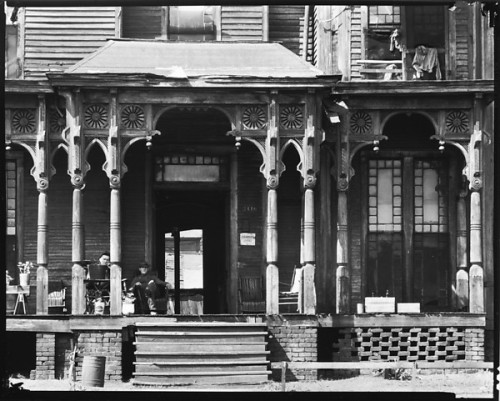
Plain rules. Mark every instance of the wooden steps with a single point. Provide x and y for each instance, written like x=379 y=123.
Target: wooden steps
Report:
x=200 y=353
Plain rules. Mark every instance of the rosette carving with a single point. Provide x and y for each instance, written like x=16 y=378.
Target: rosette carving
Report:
x=57 y=122
x=254 y=117
x=361 y=123
x=133 y=117
x=457 y=122
x=291 y=117
x=23 y=121
x=96 y=116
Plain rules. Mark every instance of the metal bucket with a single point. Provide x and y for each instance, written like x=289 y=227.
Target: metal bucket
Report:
x=93 y=371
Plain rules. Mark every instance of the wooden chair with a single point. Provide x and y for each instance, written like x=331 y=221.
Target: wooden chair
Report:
x=251 y=295
x=57 y=295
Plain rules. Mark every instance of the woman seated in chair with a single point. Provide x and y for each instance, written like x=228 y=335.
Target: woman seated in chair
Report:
x=146 y=287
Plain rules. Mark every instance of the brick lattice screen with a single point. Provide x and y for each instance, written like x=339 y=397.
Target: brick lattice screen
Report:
x=402 y=344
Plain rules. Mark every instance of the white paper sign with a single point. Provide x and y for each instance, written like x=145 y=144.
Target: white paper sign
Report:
x=247 y=239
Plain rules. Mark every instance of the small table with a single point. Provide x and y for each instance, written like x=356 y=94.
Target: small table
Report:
x=21 y=292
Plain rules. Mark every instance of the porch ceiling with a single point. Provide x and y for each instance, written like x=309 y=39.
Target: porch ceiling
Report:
x=189 y=63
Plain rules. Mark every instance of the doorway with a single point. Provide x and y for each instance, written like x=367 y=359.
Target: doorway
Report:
x=190 y=242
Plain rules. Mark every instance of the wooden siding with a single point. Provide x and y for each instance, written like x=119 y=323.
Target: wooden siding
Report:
x=357 y=50
x=59 y=222
x=142 y=22
x=133 y=213
x=340 y=26
x=29 y=220
x=96 y=202
x=58 y=37
x=286 y=26
x=463 y=45
x=242 y=23
x=250 y=215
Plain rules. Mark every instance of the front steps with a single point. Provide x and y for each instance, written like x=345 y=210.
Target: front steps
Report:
x=200 y=353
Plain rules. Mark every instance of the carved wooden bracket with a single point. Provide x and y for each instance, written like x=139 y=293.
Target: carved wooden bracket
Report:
x=74 y=138
x=41 y=170
x=113 y=165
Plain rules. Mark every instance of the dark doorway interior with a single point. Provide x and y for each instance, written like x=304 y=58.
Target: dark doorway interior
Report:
x=20 y=355
x=197 y=210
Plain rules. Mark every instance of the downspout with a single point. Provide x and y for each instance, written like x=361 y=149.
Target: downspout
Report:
x=305 y=38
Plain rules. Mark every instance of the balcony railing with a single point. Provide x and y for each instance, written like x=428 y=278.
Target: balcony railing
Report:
x=405 y=68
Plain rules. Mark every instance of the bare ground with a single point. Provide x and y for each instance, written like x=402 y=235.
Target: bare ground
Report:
x=463 y=385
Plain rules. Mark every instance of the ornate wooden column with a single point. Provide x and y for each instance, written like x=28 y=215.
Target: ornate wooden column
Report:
x=113 y=170
x=76 y=170
x=476 y=279
x=309 y=167
x=272 y=173
x=41 y=174
x=462 y=277
x=343 y=175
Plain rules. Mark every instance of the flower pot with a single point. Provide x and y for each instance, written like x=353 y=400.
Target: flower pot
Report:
x=24 y=279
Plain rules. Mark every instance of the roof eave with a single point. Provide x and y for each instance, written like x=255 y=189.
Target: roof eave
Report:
x=141 y=80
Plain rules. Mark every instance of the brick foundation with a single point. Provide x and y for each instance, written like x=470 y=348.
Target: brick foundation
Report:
x=297 y=344
x=100 y=343
x=408 y=344
x=53 y=350
x=45 y=356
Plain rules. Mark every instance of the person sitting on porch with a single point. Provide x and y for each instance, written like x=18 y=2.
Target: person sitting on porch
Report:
x=104 y=260
x=145 y=288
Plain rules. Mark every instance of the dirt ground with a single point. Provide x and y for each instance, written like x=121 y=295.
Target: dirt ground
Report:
x=462 y=385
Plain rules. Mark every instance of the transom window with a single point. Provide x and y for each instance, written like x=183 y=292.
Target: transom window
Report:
x=190 y=168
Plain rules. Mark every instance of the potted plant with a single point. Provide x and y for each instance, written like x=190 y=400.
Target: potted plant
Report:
x=24 y=272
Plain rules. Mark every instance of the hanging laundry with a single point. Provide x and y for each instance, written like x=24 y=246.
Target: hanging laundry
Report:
x=425 y=60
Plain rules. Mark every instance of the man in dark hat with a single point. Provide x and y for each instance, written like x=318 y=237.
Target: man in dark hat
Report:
x=145 y=287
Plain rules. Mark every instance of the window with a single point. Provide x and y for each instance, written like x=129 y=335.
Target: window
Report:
x=183 y=23
x=388 y=17
x=408 y=234
x=190 y=168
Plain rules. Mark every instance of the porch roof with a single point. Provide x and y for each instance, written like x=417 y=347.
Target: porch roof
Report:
x=191 y=63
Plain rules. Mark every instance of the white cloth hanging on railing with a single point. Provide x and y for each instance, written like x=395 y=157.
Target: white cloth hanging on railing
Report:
x=426 y=58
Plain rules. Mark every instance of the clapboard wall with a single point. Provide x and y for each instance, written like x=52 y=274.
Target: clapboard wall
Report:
x=251 y=212
x=57 y=37
x=286 y=24
x=242 y=23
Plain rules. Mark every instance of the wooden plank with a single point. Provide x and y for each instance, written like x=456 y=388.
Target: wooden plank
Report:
x=185 y=370
x=380 y=70
x=37 y=325
x=216 y=373
x=202 y=363
x=241 y=379
x=410 y=320
x=385 y=365
x=200 y=353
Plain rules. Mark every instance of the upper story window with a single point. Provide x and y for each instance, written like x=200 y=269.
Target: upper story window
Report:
x=186 y=23
x=388 y=17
